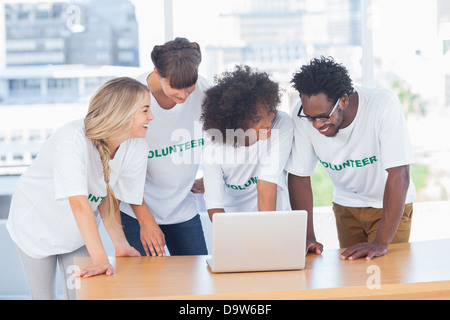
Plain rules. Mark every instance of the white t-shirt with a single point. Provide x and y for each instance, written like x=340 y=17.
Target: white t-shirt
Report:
x=356 y=159
x=230 y=174
x=175 y=139
x=41 y=221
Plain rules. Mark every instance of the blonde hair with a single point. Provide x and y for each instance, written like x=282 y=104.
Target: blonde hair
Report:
x=111 y=111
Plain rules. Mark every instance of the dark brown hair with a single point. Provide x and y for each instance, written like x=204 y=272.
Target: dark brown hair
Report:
x=178 y=61
x=235 y=99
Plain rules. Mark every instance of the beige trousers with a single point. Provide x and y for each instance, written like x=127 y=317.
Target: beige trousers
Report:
x=355 y=225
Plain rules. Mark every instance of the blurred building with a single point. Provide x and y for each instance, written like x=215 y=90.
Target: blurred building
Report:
x=94 y=32
x=278 y=36
x=55 y=55
x=53 y=48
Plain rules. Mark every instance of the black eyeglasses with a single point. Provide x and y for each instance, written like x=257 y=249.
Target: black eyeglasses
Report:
x=323 y=119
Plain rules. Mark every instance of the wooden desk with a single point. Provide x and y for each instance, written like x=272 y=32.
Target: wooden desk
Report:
x=419 y=270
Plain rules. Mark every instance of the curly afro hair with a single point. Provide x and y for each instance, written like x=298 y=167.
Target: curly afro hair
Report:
x=323 y=75
x=237 y=97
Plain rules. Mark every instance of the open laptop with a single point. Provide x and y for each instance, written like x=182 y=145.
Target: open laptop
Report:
x=258 y=241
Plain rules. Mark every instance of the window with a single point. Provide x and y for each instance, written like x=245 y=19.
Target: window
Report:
x=277 y=36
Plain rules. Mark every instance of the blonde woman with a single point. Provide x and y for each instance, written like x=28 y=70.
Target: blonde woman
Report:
x=85 y=167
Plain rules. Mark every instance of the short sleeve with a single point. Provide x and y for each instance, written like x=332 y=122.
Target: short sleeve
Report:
x=70 y=166
x=396 y=149
x=275 y=151
x=303 y=159
x=213 y=179
x=130 y=183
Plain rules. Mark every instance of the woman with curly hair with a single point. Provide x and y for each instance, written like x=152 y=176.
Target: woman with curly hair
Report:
x=250 y=141
x=169 y=214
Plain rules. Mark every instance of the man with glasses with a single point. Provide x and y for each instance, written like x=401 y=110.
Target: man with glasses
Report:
x=360 y=137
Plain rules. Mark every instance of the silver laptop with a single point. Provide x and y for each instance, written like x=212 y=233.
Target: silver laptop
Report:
x=258 y=241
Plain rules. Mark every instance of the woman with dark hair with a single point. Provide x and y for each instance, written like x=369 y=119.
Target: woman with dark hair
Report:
x=243 y=164
x=169 y=212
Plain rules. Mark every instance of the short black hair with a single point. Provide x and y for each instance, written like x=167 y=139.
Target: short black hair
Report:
x=323 y=75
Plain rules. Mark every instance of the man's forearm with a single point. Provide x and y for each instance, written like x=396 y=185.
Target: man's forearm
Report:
x=397 y=185
x=301 y=198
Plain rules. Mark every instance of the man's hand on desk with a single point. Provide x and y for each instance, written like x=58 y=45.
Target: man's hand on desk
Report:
x=364 y=249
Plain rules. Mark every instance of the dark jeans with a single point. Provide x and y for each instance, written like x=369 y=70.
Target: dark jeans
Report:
x=185 y=238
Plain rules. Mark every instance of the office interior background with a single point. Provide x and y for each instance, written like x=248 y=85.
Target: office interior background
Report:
x=55 y=54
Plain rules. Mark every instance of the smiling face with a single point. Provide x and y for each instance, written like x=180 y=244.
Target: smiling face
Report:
x=142 y=118
x=261 y=124
x=320 y=106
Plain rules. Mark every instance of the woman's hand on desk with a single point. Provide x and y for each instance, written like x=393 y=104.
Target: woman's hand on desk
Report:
x=313 y=246
x=127 y=251
x=104 y=267
x=96 y=269
x=364 y=249
x=153 y=239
